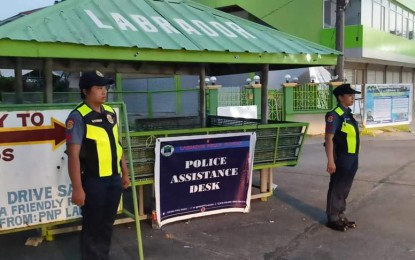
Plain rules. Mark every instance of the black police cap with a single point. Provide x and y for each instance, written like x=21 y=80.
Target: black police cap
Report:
x=344 y=89
x=94 y=78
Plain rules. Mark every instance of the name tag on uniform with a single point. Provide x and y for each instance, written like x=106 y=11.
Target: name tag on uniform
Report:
x=96 y=121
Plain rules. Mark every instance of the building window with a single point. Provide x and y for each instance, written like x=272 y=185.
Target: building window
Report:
x=392 y=19
x=399 y=20
x=405 y=24
x=385 y=15
x=410 y=26
x=378 y=20
x=329 y=13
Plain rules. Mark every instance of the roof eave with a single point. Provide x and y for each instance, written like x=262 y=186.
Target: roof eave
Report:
x=33 y=49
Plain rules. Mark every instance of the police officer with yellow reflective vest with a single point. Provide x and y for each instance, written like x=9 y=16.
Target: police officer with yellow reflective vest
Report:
x=95 y=161
x=342 y=144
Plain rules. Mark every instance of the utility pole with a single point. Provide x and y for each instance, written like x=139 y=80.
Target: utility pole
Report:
x=340 y=8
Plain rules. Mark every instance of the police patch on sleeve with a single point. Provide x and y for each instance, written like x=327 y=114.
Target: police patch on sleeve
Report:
x=110 y=119
x=70 y=123
x=331 y=123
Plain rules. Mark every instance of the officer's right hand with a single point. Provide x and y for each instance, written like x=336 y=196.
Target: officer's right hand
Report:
x=78 y=197
x=331 y=168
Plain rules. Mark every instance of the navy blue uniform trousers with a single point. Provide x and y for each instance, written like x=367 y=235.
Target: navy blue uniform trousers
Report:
x=340 y=184
x=102 y=197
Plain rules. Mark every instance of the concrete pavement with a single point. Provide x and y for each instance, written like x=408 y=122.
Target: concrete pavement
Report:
x=290 y=225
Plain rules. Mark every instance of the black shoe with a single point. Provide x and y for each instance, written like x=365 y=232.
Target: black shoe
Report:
x=349 y=223
x=337 y=225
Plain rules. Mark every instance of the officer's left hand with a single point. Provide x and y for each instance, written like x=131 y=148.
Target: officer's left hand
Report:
x=331 y=168
x=125 y=181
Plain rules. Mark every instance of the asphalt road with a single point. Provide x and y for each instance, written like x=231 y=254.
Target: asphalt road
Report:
x=290 y=225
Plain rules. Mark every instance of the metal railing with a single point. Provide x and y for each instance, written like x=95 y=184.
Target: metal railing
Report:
x=307 y=98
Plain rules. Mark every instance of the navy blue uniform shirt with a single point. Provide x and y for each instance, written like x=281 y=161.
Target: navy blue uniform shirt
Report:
x=333 y=120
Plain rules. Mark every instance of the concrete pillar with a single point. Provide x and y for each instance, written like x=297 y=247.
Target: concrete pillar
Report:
x=18 y=81
x=47 y=74
x=202 y=96
x=264 y=94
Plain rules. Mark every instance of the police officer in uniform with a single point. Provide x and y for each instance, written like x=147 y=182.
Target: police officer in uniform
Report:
x=95 y=161
x=342 y=146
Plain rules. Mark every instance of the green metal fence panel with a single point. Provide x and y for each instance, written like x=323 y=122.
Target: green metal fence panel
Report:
x=311 y=97
x=278 y=143
x=276 y=105
x=235 y=96
x=242 y=96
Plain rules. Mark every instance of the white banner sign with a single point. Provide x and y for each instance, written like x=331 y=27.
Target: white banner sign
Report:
x=34 y=184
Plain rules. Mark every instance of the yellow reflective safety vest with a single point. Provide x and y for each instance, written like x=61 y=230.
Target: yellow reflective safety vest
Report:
x=346 y=139
x=101 y=150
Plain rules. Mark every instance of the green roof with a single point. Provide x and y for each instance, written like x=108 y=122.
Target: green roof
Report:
x=149 y=27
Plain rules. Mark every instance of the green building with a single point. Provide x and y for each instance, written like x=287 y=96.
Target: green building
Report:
x=379 y=34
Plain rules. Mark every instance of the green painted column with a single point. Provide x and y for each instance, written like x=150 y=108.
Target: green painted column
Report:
x=256 y=90
x=213 y=101
x=288 y=89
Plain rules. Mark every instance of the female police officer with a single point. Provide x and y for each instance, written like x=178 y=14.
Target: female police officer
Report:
x=95 y=160
x=342 y=146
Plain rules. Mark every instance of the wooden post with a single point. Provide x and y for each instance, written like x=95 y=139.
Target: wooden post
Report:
x=140 y=200
x=18 y=81
x=202 y=96
x=47 y=74
x=264 y=175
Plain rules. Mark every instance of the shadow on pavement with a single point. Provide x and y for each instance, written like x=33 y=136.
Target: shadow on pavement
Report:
x=316 y=214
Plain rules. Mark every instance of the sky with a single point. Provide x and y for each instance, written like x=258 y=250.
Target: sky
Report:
x=10 y=8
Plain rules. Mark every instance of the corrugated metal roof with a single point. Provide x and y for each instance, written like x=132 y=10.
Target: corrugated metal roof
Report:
x=153 y=24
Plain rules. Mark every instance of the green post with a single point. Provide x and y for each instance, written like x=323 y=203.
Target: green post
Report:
x=288 y=90
x=178 y=93
x=133 y=182
x=149 y=104
x=213 y=99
